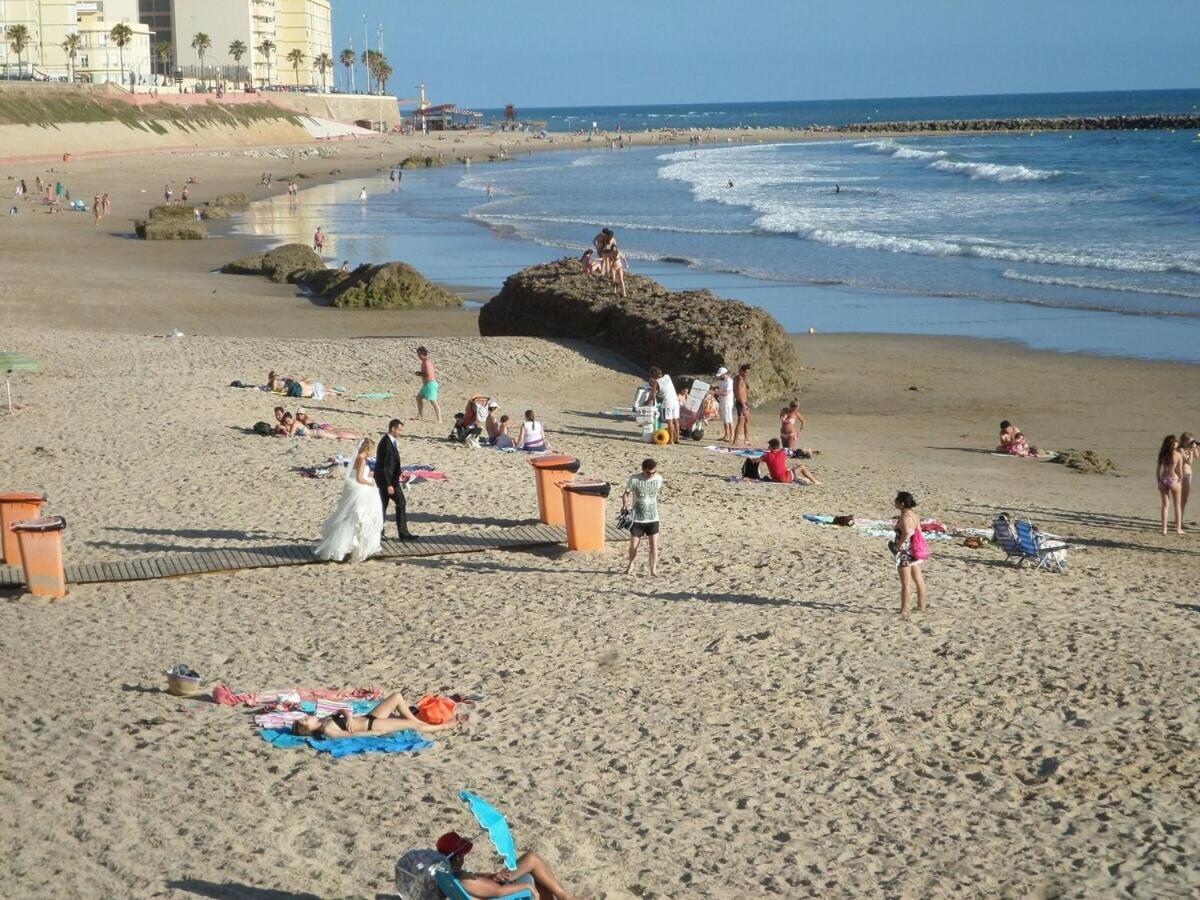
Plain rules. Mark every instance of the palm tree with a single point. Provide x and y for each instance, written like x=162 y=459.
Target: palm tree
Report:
x=200 y=43
x=348 y=59
x=321 y=63
x=18 y=40
x=237 y=50
x=122 y=36
x=266 y=48
x=371 y=59
x=377 y=63
x=163 y=53
x=71 y=47
x=383 y=71
x=295 y=57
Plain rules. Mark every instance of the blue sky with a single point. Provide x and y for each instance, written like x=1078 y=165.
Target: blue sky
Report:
x=552 y=52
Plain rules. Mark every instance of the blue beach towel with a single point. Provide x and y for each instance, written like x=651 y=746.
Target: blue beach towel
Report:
x=396 y=742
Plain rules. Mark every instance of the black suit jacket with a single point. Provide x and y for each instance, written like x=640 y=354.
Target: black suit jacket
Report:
x=387 y=463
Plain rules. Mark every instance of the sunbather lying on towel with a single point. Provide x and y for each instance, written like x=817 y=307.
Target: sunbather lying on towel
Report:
x=504 y=883
x=378 y=721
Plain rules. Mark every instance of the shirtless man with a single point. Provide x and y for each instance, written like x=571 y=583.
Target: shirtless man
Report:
x=429 y=385
x=741 y=404
x=530 y=866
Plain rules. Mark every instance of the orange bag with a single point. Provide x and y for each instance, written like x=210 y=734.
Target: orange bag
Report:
x=435 y=710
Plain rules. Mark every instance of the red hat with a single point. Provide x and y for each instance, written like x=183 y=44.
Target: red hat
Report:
x=453 y=844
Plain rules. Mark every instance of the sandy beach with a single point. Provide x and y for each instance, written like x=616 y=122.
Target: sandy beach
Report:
x=757 y=721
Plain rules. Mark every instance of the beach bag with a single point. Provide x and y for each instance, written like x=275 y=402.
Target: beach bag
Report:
x=415 y=873
x=264 y=429
x=435 y=709
x=750 y=469
x=918 y=546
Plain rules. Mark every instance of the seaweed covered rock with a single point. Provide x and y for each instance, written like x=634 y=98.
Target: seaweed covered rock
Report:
x=393 y=285
x=421 y=162
x=171 y=212
x=290 y=262
x=1088 y=462
x=247 y=265
x=171 y=228
x=229 y=201
x=682 y=332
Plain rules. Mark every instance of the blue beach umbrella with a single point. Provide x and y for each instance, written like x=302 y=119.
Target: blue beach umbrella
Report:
x=493 y=822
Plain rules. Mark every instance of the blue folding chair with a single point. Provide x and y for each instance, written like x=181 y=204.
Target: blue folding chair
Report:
x=453 y=889
x=1003 y=532
x=1047 y=553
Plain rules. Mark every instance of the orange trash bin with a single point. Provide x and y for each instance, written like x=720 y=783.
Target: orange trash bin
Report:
x=551 y=471
x=584 y=503
x=41 y=555
x=16 y=506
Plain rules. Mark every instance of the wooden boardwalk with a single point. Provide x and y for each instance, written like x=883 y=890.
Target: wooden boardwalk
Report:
x=174 y=565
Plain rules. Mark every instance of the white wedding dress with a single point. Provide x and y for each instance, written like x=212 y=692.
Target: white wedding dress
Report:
x=356 y=526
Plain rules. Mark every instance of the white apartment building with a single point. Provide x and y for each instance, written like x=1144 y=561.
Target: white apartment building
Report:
x=49 y=22
x=288 y=24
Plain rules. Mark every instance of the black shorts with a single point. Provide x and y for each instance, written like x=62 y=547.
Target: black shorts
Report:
x=740 y=408
x=643 y=529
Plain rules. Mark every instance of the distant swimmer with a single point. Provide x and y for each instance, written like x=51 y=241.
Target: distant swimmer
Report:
x=362 y=197
x=490 y=190
x=730 y=183
x=837 y=188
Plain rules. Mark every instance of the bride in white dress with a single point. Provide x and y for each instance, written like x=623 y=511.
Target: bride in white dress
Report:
x=356 y=526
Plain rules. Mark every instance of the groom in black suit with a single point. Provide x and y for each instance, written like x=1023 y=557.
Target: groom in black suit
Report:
x=387 y=476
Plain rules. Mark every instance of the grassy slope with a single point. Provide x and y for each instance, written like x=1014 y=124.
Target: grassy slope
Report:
x=51 y=110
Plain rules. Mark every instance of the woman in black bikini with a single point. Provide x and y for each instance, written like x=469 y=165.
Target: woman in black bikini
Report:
x=380 y=720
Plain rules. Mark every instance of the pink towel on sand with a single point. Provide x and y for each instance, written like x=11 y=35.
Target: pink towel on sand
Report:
x=225 y=697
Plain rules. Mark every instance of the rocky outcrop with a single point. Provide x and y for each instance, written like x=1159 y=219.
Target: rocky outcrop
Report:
x=171 y=223
x=393 y=285
x=291 y=262
x=1186 y=121
x=682 y=332
x=230 y=201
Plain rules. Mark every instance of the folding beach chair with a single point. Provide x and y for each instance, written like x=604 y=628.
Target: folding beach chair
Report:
x=1002 y=530
x=453 y=889
x=1049 y=553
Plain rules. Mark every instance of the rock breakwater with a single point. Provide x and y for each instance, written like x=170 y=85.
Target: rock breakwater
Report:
x=1187 y=121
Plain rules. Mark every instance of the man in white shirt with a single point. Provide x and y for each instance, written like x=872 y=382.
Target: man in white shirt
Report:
x=725 y=400
x=662 y=388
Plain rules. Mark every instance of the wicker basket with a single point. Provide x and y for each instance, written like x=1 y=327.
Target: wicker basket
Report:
x=183 y=685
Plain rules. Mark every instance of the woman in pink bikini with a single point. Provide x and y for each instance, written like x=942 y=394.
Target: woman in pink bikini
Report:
x=791 y=423
x=1170 y=481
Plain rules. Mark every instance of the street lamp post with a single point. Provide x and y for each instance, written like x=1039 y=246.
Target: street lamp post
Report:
x=381 y=126
x=366 y=49
x=353 y=68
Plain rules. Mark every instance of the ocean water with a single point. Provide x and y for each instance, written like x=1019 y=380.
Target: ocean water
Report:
x=1067 y=241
